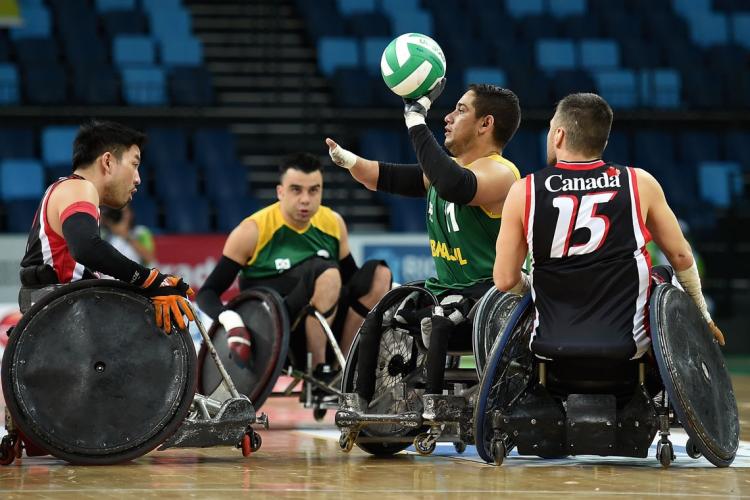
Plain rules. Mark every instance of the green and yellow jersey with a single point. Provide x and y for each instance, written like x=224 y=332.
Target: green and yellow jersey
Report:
x=281 y=247
x=462 y=239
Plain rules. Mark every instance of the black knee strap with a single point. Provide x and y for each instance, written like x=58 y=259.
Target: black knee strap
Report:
x=359 y=308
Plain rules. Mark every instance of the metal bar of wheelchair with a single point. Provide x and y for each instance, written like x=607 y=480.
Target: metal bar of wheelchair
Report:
x=214 y=355
x=331 y=339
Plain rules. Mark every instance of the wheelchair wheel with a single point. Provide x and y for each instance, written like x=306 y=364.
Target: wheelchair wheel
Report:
x=493 y=311
x=398 y=384
x=506 y=376
x=89 y=378
x=263 y=311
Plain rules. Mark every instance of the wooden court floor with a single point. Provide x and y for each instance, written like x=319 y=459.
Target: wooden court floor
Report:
x=301 y=459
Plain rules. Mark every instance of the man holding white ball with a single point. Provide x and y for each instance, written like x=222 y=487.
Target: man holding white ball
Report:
x=465 y=195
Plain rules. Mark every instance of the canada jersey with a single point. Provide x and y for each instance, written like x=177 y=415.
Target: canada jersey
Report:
x=590 y=277
x=45 y=246
x=462 y=239
x=281 y=247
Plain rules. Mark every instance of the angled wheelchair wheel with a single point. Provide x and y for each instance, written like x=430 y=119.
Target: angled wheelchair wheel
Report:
x=493 y=312
x=398 y=381
x=263 y=311
x=89 y=378
x=695 y=375
x=507 y=374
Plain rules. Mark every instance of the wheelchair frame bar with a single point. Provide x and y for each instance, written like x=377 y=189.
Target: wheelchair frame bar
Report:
x=227 y=380
x=331 y=338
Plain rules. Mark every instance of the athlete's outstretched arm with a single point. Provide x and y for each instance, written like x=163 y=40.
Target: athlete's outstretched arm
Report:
x=405 y=180
x=664 y=228
x=511 y=247
x=238 y=249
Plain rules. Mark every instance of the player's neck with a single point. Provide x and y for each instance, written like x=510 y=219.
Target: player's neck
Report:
x=89 y=174
x=575 y=156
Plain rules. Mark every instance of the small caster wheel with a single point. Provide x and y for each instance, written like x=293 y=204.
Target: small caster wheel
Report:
x=424 y=444
x=460 y=447
x=666 y=455
x=251 y=443
x=319 y=414
x=346 y=442
x=8 y=451
x=497 y=449
x=255 y=442
x=692 y=450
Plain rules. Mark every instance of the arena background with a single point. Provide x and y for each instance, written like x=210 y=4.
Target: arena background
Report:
x=225 y=88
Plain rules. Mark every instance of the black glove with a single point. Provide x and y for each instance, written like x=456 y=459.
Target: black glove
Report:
x=165 y=284
x=415 y=110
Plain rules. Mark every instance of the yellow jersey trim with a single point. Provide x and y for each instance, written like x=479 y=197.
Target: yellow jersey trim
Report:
x=269 y=220
x=503 y=161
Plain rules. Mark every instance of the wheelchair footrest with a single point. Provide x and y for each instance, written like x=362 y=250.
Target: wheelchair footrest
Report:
x=226 y=428
x=446 y=409
x=591 y=424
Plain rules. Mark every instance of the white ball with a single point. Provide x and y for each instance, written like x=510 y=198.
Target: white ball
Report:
x=412 y=64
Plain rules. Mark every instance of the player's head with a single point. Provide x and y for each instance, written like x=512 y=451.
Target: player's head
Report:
x=486 y=113
x=300 y=187
x=111 y=151
x=580 y=127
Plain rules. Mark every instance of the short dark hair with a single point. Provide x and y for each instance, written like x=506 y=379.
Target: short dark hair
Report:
x=502 y=104
x=97 y=137
x=587 y=120
x=305 y=162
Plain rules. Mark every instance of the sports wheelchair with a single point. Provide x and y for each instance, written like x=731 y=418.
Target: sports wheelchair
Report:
x=89 y=378
x=610 y=407
x=399 y=412
x=275 y=351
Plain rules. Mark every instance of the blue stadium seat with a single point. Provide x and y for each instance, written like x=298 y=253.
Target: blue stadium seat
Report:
x=564 y=8
x=182 y=52
x=231 y=183
x=36 y=51
x=165 y=146
x=414 y=21
x=521 y=8
x=21 y=179
x=175 y=181
x=57 y=145
x=162 y=5
x=213 y=148
x=348 y=7
x=599 y=53
x=618 y=148
x=17 y=143
x=372 y=51
x=144 y=86
x=407 y=215
x=692 y=8
x=96 y=85
x=741 y=29
x=133 y=50
x=170 y=25
x=46 y=84
x=720 y=182
x=352 y=88
x=123 y=22
x=191 y=86
x=618 y=87
x=369 y=24
x=735 y=147
x=9 y=93
x=493 y=76
x=709 y=29
x=698 y=146
x=188 y=215
x=109 y=5
x=661 y=88
x=145 y=209
x=230 y=212
x=386 y=145
x=19 y=214
x=555 y=54
x=336 y=52
x=37 y=23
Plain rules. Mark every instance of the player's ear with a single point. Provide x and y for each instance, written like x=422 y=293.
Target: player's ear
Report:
x=279 y=191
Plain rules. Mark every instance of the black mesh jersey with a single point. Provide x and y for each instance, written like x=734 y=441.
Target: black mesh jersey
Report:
x=590 y=278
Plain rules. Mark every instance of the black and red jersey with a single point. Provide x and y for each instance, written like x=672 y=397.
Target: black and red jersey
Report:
x=590 y=278
x=45 y=246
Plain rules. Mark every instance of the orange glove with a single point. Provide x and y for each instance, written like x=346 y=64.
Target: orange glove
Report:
x=169 y=295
